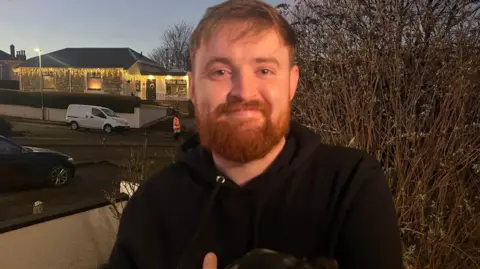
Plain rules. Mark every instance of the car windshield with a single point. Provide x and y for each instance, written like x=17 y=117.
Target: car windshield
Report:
x=110 y=112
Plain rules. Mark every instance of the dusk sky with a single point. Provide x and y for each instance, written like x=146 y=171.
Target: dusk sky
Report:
x=56 y=24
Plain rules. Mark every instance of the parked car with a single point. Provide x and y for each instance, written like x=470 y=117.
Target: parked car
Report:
x=22 y=166
x=95 y=117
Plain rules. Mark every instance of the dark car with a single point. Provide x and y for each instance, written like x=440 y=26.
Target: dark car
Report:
x=22 y=167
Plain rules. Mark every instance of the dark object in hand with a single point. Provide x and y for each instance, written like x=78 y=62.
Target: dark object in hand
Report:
x=269 y=259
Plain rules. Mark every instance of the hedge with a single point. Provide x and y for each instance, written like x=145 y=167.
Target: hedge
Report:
x=61 y=100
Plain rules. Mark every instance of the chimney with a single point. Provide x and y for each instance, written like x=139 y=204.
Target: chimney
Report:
x=21 y=56
x=12 y=51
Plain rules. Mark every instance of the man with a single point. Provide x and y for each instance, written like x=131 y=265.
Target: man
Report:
x=251 y=178
x=176 y=126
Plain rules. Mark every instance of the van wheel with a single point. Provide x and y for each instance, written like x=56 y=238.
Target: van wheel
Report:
x=108 y=129
x=74 y=125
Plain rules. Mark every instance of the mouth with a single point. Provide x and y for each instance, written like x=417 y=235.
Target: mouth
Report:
x=244 y=113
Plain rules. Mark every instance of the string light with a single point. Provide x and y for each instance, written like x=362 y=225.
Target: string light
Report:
x=63 y=72
x=105 y=73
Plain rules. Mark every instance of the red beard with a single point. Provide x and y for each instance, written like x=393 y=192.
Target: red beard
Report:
x=232 y=140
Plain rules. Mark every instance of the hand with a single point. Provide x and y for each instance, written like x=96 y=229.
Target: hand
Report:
x=210 y=261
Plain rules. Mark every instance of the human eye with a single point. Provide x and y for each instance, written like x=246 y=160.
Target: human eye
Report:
x=219 y=74
x=265 y=72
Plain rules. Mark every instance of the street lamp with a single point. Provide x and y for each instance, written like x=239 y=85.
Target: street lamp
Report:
x=41 y=78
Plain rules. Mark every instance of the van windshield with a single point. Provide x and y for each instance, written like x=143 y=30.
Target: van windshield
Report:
x=110 y=112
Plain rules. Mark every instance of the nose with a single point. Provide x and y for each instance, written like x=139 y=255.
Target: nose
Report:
x=244 y=86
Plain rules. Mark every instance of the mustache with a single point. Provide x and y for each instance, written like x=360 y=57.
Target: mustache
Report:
x=231 y=107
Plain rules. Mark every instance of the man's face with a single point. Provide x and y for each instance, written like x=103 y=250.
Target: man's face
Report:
x=242 y=90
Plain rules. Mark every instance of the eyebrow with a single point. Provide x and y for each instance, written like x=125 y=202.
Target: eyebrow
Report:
x=267 y=60
x=226 y=61
x=215 y=60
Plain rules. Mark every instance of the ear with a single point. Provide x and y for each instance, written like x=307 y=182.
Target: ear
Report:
x=294 y=77
x=191 y=87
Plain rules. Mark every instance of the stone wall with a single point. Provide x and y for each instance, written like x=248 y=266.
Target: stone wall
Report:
x=61 y=81
x=78 y=83
x=30 y=81
x=112 y=84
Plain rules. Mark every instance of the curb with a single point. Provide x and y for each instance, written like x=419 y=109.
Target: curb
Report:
x=89 y=163
x=19 y=119
x=107 y=162
x=42 y=145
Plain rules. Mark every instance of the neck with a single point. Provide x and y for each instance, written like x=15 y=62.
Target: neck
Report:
x=241 y=173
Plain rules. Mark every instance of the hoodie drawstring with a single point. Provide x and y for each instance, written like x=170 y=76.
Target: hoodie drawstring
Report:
x=207 y=210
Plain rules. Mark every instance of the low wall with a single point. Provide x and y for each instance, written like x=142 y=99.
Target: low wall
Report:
x=21 y=111
x=83 y=240
x=151 y=114
x=138 y=119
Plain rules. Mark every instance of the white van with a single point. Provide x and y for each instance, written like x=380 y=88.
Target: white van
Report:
x=95 y=117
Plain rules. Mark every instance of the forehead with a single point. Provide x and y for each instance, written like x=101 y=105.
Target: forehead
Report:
x=237 y=41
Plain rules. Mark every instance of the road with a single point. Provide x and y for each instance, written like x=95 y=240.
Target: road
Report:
x=93 y=180
x=91 y=183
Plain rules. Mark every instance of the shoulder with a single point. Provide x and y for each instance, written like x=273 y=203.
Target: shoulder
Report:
x=345 y=158
x=173 y=178
x=347 y=170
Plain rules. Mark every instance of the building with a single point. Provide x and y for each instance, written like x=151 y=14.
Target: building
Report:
x=10 y=61
x=121 y=71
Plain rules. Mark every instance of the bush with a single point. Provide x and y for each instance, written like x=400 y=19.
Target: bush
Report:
x=61 y=100
x=400 y=79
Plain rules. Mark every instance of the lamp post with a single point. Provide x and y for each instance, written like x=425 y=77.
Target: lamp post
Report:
x=41 y=78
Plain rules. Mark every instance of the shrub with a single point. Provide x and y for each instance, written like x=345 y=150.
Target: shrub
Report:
x=399 y=79
x=138 y=168
x=61 y=100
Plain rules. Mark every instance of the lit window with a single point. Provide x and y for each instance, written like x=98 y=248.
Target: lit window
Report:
x=94 y=81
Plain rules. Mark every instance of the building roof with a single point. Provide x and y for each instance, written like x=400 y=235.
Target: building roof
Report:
x=89 y=58
x=147 y=69
x=5 y=56
x=164 y=73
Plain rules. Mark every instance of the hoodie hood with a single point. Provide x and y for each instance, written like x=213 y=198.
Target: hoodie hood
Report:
x=300 y=145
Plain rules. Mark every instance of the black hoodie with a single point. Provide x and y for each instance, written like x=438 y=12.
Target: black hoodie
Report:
x=314 y=201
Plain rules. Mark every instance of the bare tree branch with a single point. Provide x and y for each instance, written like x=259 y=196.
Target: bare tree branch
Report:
x=173 y=52
x=399 y=79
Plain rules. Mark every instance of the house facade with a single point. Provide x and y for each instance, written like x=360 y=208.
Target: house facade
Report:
x=119 y=71
x=9 y=61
